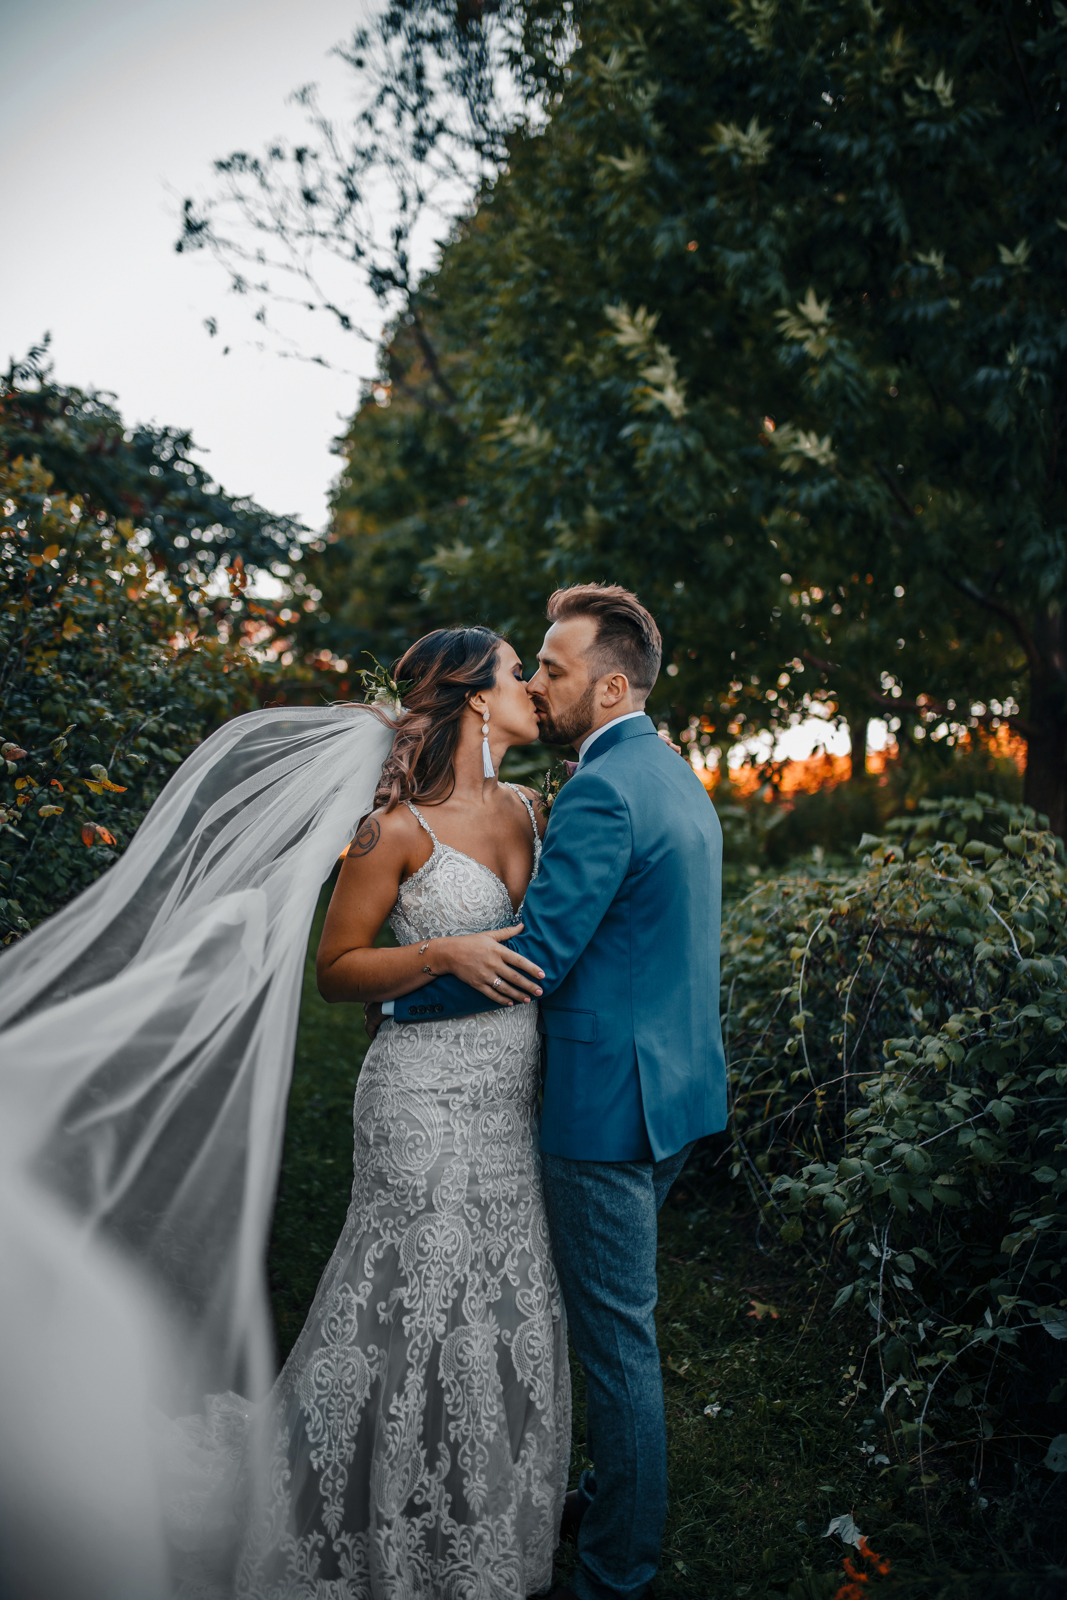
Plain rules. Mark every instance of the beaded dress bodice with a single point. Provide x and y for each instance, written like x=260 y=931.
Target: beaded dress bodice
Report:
x=453 y=893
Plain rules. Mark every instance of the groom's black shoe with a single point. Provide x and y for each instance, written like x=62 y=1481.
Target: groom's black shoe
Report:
x=575 y=1507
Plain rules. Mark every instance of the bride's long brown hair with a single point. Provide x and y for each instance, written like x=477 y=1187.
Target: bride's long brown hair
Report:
x=441 y=671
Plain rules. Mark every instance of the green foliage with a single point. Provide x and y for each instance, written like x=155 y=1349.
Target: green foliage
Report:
x=753 y=1486
x=899 y=1098
x=771 y=830
x=403 y=474
x=101 y=693
x=762 y=314
x=188 y=527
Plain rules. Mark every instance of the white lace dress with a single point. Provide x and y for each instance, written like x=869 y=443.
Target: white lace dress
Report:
x=422 y=1421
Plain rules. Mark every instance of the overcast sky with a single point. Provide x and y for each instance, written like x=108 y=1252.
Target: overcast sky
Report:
x=111 y=112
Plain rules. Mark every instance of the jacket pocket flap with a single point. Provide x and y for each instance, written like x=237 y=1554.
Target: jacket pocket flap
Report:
x=580 y=1025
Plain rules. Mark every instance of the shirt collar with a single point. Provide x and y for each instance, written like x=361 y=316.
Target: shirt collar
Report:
x=584 y=747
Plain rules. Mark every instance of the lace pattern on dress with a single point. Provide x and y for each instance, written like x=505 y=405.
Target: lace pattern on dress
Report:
x=422 y=1422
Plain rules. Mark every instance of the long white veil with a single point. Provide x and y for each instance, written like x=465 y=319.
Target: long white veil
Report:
x=146 y=1045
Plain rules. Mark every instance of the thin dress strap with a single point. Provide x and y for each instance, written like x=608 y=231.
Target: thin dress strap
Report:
x=417 y=814
x=533 y=823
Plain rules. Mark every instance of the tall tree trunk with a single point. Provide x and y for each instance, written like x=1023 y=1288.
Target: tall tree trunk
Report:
x=857 y=733
x=1045 y=786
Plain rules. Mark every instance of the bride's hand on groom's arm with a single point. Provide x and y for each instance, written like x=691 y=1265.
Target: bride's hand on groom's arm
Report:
x=484 y=961
x=481 y=960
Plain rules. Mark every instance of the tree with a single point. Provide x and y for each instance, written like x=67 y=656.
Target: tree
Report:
x=188 y=527
x=106 y=681
x=405 y=464
x=764 y=316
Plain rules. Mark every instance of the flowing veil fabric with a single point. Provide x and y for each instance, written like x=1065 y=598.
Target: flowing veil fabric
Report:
x=146 y=1043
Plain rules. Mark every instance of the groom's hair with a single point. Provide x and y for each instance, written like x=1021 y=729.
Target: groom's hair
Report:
x=627 y=639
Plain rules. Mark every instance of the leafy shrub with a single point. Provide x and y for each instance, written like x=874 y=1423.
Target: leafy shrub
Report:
x=828 y=818
x=899 y=1101
x=192 y=530
x=101 y=694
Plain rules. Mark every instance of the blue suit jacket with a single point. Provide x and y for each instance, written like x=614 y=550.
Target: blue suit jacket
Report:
x=623 y=917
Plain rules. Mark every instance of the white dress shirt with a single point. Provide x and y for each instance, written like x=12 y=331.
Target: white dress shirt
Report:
x=588 y=740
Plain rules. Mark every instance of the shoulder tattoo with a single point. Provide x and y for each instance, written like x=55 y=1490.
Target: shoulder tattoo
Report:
x=365 y=840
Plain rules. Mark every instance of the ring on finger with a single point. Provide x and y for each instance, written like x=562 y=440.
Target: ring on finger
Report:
x=496 y=983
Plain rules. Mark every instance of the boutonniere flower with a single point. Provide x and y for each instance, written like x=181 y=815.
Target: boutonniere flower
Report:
x=380 y=687
x=553 y=782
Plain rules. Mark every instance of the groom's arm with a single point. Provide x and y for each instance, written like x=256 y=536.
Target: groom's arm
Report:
x=586 y=856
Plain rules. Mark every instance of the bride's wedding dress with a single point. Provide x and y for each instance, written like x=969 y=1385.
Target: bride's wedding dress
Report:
x=421 y=1425
x=416 y=1444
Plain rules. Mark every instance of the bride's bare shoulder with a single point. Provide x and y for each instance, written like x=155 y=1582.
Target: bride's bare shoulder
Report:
x=534 y=798
x=394 y=832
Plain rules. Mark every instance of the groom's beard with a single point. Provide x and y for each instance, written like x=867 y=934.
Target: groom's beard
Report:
x=570 y=725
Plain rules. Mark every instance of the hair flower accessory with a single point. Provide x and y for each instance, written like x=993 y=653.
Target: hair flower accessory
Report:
x=380 y=687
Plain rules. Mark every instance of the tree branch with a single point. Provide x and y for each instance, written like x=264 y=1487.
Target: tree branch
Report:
x=1018 y=61
x=887 y=702
x=894 y=489
x=819 y=664
x=1057 y=426
x=939 y=709
x=999 y=609
x=422 y=399
x=430 y=357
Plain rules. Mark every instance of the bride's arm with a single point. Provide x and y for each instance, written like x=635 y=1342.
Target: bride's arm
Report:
x=348 y=967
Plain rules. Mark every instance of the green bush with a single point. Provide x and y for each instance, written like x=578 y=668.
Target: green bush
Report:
x=899 y=1102
x=102 y=693
x=192 y=529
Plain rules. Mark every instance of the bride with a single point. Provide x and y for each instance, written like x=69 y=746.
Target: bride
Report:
x=416 y=1444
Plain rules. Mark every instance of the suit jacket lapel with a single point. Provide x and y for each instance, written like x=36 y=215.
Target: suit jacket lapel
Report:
x=635 y=728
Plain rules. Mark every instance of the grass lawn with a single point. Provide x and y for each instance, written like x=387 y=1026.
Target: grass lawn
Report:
x=745 y=1330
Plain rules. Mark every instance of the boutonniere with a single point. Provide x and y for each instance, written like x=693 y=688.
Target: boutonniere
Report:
x=553 y=782
x=380 y=687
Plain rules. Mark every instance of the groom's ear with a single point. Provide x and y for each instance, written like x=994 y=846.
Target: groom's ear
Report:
x=614 y=688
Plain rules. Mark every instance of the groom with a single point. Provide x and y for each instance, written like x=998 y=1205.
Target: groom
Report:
x=624 y=920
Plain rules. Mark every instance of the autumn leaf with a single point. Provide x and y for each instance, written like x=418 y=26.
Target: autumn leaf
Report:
x=93 y=833
x=36 y=560
x=55 y=784
x=238 y=577
x=50 y=811
x=761 y=1310
x=12 y=752
x=100 y=781
x=50 y=552
x=70 y=628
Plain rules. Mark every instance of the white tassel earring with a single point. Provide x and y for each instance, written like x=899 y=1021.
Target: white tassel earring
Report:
x=488 y=770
